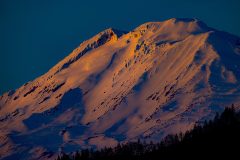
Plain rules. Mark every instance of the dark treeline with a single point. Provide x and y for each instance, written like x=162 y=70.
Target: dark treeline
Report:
x=217 y=138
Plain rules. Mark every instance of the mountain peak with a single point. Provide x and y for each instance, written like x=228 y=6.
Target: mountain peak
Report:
x=183 y=19
x=112 y=31
x=109 y=34
x=190 y=25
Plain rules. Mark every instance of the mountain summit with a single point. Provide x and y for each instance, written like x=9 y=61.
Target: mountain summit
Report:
x=158 y=79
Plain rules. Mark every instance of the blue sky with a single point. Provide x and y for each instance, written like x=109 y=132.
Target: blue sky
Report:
x=36 y=34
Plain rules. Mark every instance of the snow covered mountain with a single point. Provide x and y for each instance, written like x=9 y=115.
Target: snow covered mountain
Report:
x=160 y=78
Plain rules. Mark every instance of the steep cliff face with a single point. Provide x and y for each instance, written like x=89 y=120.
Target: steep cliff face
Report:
x=160 y=78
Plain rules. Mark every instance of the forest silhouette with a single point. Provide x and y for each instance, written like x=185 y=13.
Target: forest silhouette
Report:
x=217 y=138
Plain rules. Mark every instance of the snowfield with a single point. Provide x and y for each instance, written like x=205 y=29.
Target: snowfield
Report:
x=158 y=79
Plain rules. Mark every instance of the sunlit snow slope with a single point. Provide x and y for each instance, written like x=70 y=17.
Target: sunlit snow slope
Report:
x=158 y=79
